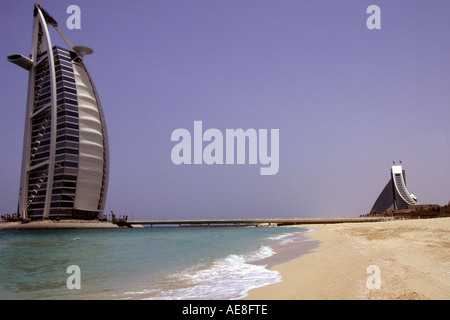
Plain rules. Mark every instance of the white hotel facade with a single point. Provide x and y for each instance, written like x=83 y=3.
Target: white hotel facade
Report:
x=65 y=160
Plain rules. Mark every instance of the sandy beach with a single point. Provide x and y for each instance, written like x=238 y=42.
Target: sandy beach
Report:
x=407 y=259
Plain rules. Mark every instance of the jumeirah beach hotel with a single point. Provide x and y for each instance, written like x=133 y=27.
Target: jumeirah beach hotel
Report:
x=65 y=160
x=395 y=195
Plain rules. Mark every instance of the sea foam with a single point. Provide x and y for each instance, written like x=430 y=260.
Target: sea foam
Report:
x=227 y=278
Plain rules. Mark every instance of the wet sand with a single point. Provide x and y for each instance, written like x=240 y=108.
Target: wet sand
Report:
x=412 y=257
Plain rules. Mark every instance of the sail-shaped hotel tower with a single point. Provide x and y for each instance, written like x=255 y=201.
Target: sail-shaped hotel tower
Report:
x=65 y=160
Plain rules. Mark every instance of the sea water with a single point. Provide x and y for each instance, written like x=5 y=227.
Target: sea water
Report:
x=144 y=263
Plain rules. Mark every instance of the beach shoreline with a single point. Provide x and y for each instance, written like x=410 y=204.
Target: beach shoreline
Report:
x=410 y=259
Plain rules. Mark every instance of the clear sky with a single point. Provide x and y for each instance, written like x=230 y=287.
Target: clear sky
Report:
x=347 y=101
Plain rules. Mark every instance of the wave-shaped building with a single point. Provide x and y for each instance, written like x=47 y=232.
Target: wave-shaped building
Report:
x=395 y=195
x=65 y=160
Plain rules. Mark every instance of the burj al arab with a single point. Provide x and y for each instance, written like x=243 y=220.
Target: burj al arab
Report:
x=65 y=160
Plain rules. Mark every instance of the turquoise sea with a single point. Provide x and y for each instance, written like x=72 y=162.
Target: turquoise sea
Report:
x=145 y=263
